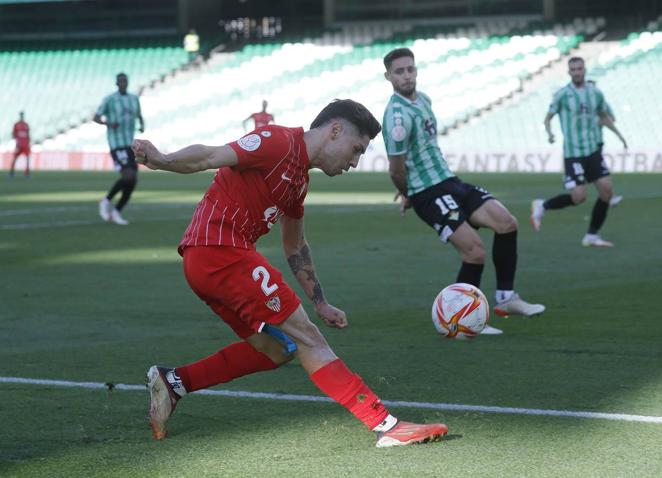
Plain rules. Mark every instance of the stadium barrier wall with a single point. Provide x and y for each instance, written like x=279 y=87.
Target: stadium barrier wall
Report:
x=543 y=161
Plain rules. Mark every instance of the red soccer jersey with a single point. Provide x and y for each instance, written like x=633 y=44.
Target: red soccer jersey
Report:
x=261 y=119
x=21 y=133
x=245 y=201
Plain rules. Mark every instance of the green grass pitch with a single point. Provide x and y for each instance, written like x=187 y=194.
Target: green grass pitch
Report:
x=85 y=301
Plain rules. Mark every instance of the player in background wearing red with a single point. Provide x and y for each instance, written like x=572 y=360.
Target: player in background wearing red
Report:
x=21 y=133
x=261 y=178
x=260 y=119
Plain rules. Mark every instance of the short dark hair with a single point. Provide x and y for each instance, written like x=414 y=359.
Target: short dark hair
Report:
x=393 y=55
x=352 y=111
x=574 y=59
x=120 y=74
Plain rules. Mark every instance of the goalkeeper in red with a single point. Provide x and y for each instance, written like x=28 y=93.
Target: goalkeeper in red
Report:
x=262 y=178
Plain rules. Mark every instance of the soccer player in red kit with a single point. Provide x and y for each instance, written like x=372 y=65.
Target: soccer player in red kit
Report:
x=21 y=133
x=263 y=178
x=260 y=119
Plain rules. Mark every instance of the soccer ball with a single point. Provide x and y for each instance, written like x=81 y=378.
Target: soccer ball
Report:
x=460 y=311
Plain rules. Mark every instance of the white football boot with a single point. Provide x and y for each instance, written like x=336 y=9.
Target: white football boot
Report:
x=615 y=201
x=537 y=212
x=516 y=306
x=594 y=240
x=489 y=330
x=116 y=218
x=104 y=209
x=162 y=400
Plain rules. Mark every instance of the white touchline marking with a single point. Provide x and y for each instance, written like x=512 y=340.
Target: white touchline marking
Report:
x=49 y=210
x=92 y=222
x=313 y=398
x=95 y=222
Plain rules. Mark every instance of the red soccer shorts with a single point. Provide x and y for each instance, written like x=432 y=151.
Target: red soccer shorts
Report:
x=240 y=286
x=22 y=149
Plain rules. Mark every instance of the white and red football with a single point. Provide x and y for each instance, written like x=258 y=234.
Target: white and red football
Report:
x=460 y=311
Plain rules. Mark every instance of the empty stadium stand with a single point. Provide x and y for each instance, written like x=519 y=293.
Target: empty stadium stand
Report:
x=59 y=89
x=464 y=68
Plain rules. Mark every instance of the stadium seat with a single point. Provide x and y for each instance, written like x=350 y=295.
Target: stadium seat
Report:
x=464 y=68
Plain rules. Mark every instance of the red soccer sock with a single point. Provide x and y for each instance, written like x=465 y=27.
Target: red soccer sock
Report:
x=231 y=362
x=348 y=389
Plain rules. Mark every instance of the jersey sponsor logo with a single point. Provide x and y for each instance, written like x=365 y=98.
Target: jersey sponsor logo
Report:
x=398 y=133
x=266 y=134
x=285 y=178
x=273 y=303
x=250 y=142
x=272 y=215
x=430 y=127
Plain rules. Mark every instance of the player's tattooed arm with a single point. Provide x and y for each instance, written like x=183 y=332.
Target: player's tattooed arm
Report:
x=297 y=252
x=300 y=260
x=301 y=263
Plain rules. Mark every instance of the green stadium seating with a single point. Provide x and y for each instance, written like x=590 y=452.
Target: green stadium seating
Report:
x=58 y=89
x=464 y=69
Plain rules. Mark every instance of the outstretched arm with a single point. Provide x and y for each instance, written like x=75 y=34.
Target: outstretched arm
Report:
x=300 y=260
x=191 y=159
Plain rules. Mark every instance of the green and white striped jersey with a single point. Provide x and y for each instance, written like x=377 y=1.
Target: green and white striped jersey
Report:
x=410 y=128
x=578 y=110
x=121 y=109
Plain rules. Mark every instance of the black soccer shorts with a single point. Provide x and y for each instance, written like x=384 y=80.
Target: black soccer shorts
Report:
x=445 y=206
x=585 y=169
x=124 y=158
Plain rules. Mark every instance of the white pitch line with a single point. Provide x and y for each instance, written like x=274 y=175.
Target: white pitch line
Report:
x=314 y=398
x=48 y=210
x=94 y=222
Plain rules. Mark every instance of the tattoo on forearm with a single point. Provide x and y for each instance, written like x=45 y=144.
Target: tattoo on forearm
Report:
x=296 y=263
x=303 y=262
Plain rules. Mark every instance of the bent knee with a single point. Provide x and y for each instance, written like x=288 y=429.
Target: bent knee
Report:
x=275 y=351
x=578 y=198
x=606 y=195
x=506 y=225
x=270 y=347
x=475 y=254
x=281 y=358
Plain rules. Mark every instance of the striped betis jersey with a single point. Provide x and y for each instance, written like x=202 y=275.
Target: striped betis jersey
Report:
x=578 y=110
x=121 y=109
x=410 y=127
